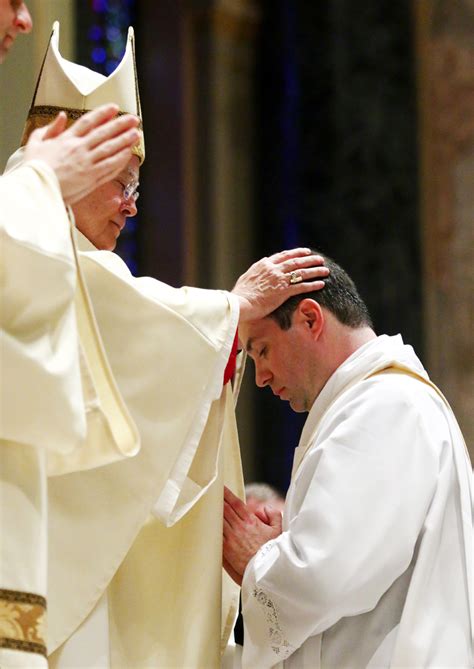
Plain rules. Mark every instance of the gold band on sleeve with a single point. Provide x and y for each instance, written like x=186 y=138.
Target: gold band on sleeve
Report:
x=22 y=621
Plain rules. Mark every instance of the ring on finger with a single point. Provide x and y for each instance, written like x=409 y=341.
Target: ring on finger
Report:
x=295 y=277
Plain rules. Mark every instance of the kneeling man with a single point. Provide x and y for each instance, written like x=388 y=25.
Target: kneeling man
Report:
x=372 y=563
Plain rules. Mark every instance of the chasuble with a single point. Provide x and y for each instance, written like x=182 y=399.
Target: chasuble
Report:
x=60 y=409
x=145 y=534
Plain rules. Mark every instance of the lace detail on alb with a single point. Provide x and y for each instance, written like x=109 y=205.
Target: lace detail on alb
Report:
x=280 y=646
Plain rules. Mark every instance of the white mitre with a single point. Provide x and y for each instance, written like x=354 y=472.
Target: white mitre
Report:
x=75 y=89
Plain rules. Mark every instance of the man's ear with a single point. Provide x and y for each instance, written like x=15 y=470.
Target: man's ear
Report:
x=311 y=316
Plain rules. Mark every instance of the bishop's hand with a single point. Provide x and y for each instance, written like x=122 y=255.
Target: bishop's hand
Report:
x=271 y=281
x=92 y=151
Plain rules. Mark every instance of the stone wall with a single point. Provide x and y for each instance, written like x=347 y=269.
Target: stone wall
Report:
x=446 y=85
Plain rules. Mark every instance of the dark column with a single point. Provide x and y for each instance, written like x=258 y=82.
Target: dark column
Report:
x=338 y=164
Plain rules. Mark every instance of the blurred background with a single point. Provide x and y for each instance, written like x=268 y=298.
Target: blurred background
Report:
x=345 y=126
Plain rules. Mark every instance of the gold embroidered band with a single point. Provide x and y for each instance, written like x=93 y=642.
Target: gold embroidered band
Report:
x=22 y=621
x=41 y=115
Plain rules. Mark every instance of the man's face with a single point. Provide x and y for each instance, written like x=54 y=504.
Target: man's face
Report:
x=101 y=216
x=283 y=360
x=14 y=18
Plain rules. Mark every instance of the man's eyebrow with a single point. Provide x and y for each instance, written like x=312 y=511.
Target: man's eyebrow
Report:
x=249 y=344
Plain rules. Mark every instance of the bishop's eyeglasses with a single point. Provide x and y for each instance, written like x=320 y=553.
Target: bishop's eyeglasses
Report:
x=130 y=190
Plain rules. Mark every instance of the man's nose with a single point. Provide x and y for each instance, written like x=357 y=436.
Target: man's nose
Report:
x=128 y=207
x=262 y=376
x=23 y=21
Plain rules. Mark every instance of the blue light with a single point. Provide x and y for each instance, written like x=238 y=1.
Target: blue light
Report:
x=132 y=224
x=99 y=55
x=113 y=33
x=100 y=5
x=95 y=33
x=116 y=50
x=110 y=66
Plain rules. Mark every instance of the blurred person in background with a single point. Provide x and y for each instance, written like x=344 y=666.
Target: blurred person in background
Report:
x=14 y=18
x=258 y=495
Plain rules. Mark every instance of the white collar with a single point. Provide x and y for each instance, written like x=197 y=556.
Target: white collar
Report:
x=373 y=356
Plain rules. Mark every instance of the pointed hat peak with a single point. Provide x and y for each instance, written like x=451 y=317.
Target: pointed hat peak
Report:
x=75 y=89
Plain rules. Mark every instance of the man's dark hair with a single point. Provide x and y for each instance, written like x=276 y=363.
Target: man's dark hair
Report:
x=339 y=296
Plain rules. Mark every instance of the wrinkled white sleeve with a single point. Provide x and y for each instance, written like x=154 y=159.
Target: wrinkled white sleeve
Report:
x=39 y=387
x=172 y=372
x=168 y=349
x=40 y=378
x=357 y=505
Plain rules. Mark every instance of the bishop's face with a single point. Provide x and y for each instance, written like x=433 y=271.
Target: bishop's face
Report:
x=102 y=215
x=14 y=18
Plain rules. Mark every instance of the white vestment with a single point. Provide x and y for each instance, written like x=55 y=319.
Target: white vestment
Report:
x=374 y=567
x=49 y=397
x=141 y=540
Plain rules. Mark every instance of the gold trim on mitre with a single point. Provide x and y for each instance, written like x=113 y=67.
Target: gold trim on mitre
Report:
x=66 y=86
x=41 y=115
